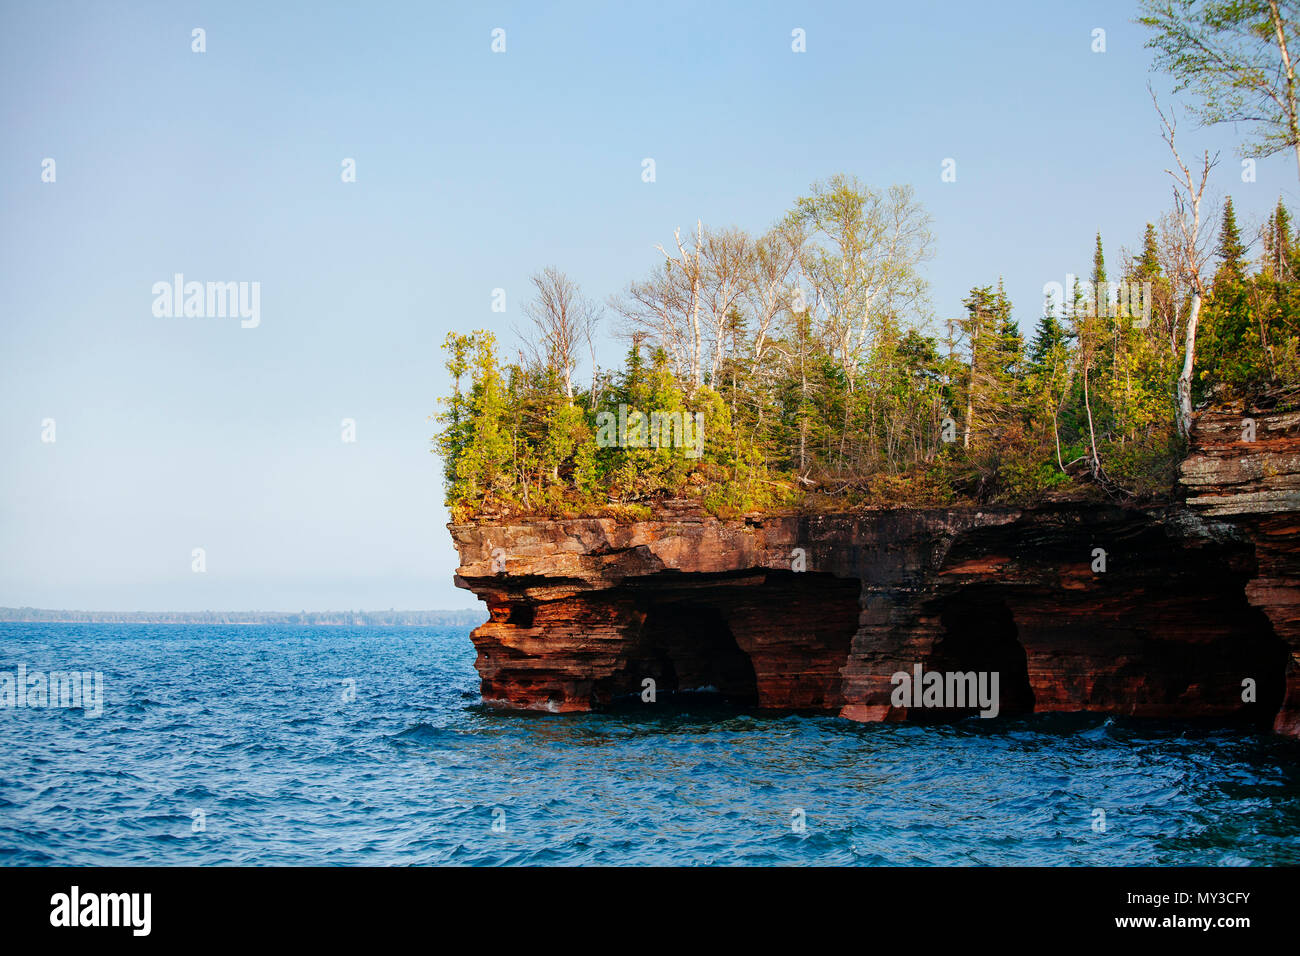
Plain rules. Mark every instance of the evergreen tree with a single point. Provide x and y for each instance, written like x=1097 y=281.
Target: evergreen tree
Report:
x=1146 y=265
x=1049 y=339
x=1279 y=249
x=1229 y=346
x=1231 y=251
x=993 y=388
x=1098 y=265
x=1100 y=287
x=1048 y=387
x=474 y=439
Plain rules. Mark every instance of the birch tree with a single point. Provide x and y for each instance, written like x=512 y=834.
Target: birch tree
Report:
x=1191 y=251
x=685 y=270
x=564 y=319
x=1238 y=58
x=653 y=309
x=864 y=258
x=768 y=292
x=725 y=275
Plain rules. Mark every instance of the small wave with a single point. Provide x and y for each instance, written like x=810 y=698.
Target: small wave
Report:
x=417 y=770
x=427 y=733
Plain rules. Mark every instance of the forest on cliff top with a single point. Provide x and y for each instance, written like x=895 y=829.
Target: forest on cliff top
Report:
x=803 y=368
x=804 y=359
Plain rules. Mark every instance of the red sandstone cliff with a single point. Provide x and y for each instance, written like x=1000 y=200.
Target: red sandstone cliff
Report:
x=817 y=612
x=1244 y=469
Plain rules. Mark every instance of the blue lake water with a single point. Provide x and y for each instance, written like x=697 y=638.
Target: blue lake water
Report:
x=246 y=731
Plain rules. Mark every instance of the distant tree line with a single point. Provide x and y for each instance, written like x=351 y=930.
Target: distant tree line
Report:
x=467 y=618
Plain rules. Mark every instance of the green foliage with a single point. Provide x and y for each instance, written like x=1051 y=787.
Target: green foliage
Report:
x=1025 y=477
x=1231 y=251
x=1250 y=323
x=1233 y=57
x=827 y=415
x=475 y=440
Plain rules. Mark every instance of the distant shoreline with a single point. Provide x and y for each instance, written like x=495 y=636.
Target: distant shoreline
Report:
x=466 y=617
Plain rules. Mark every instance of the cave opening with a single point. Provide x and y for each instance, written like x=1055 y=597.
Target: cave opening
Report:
x=521 y=614
x=1214 y=656
x=687 y=648
x=769 y=639
x=979 y=636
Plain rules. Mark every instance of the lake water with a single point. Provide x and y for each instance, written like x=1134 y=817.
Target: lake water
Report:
x=336 y=745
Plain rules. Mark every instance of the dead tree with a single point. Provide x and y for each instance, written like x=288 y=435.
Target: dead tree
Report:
x=1191 y=254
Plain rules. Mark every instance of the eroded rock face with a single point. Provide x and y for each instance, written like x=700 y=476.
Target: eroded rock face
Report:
x=819 y=612
x=1244 y=469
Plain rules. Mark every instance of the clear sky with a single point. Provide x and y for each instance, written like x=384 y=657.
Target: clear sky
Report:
x=473 y=170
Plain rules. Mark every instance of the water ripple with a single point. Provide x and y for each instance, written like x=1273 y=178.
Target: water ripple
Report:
x=265 y=745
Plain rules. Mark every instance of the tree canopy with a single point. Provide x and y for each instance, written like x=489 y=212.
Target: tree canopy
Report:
x=803 y=369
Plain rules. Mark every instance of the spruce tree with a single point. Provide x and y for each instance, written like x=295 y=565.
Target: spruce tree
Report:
x=1098 y=265
x=1231 y=251
x=1279 y=249
x=993 y=386
x=1010 y=343
x=1147 y=264
x=1100 y=288
x=1049 y=336
x=1229 y=345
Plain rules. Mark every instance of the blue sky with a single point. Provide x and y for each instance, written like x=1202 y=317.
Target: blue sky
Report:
x=474 y=170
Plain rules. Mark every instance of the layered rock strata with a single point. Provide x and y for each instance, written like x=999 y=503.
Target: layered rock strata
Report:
x=1244 y=470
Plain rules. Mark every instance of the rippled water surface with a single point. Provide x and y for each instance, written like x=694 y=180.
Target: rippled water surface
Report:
x=249 y=725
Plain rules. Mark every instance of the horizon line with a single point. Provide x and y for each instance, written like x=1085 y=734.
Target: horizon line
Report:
x=44 y=610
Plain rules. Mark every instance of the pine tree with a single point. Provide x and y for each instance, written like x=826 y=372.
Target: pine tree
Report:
x=1279 y=249
x=1010 y=342
x=1098 y=265
x=993 y=386
x=1231 y=251
x=1100 y=294
x=1049 y=337
x=474 y=440
x=1147 y=264
x=1229 y=348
